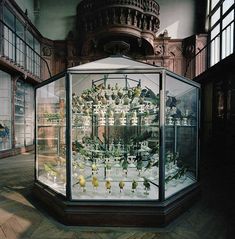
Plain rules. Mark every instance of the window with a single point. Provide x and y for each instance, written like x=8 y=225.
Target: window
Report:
x=9 y=36
x=33 y=52
x=221 y=30
x=5 y=111
x=20 y=46
x=19 y=43
x=29 y=51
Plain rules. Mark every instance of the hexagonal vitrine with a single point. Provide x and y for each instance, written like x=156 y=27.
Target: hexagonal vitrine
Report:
x=117 y=143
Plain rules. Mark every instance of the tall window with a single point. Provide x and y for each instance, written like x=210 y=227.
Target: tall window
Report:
x=9 y=35
x=5 y=112
x=221 y=17
x=20 y=46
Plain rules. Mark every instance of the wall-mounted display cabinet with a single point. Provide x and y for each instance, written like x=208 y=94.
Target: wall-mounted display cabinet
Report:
x=24 y=114
x=117 y=143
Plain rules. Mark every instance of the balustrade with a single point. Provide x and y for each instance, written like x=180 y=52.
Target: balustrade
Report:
x=141 y=14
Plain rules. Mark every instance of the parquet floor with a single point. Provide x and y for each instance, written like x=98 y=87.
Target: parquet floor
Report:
x=22 y=217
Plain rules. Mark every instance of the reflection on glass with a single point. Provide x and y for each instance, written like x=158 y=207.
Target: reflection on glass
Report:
x=115 y=141
x=51 y=149
x=24 y=114
x=180 y=135
x=5 y=112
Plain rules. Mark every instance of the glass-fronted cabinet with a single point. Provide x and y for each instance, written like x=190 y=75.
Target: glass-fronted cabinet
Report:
x=117 y=131
x=24 y=114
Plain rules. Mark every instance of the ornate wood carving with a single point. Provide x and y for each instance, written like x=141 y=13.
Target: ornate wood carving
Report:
x=123 y=20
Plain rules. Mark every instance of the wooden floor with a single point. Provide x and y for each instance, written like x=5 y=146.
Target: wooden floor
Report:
x=22 y=217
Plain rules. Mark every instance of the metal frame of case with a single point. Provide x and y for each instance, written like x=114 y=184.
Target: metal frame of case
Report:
x=165 y=208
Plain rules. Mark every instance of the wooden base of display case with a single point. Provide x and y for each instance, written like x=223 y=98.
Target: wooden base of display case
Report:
x=115 y=213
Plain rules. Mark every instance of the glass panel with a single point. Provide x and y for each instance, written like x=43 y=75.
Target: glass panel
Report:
x=29 y=114
x=51 y=127
x=29 y=52
x=19 y=114
x=19 y=43
x=9 y=18
x=5 y=112
x=180 y=135
x=215 y=46
x=227 y=4
x=19 y=28
x=213 y=3
x=9 y=43
x=227 y=41
x=228 y=19
x=37 y=58
x=115 y=136
x=215 y=17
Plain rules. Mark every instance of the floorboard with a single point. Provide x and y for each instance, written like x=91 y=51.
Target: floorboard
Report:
x=21 y=218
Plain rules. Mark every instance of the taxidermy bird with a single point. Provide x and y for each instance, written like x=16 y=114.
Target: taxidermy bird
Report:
x=146 y=184
x=108 y=185
x=151 y=96
x=82 y=182
x=121 y=185
x=137 y=92
x=134 y=185
x=95 y=182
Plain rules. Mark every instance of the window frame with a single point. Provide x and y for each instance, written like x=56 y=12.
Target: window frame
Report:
x=31 y=63
x=220 y=36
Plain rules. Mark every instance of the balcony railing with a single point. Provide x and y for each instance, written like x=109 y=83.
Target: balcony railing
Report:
x=150 y=6
x=95 y=15
x=216 y=49
x=16 y=51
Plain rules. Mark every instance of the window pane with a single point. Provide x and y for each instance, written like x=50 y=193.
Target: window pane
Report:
x=227 y=4
x=9 y=43
x=19 y=29
x=5 y=112
x=9 y=18
x=215 y=17
x=227 y=41
x=37 y=46
x=51 y=138
x=215 y=46
x=115 y=138
x=29 y=52
x=29 y=39
x=29 y=114
x=213 y=3
x=36 y=58
x=215 y=31
x=19 y=43
x=228 y=19
x=180 y=135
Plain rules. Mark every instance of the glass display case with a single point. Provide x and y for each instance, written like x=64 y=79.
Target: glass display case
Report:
x=119 y=132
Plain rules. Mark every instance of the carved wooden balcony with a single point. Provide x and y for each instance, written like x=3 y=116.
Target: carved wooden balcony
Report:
x=133 y=21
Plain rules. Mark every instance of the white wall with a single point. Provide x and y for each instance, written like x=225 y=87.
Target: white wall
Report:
x=29 y=5
x=178 y=17
x=58 y=17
